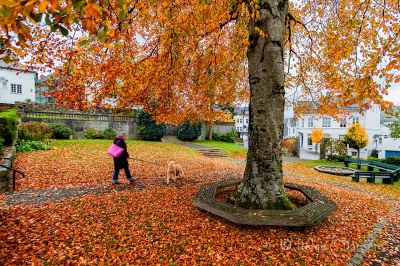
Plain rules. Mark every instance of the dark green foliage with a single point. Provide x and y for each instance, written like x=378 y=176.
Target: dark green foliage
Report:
x=227 y=137
x=31 y=145
x=39 y=131
x=374 y=153
x=395 y=160
x=61 y=131
x=189 y=132
x=109 y=133
x=148 y=129
x=8 y=127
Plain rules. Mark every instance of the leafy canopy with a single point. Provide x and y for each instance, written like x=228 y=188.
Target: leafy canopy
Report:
x=356 y=137
x=180 y=59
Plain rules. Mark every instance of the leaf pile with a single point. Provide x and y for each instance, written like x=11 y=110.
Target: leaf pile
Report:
x=159 y=224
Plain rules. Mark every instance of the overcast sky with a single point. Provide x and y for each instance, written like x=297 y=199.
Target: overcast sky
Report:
x=394 y=94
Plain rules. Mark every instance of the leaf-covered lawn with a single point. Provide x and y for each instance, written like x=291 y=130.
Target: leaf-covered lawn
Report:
x=86 y=162
x=159 y=224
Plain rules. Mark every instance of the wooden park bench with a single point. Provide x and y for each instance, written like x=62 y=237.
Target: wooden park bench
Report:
x=387 y=177
x=358 y=162
x=312 y=213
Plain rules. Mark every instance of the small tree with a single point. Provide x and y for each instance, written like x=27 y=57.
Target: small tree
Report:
x=189 y=132
x=148 y=129
x=316 y=137
x=357 y=138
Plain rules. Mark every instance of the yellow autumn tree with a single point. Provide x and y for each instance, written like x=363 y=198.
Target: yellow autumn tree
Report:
x=316 y=137
x=356 y=137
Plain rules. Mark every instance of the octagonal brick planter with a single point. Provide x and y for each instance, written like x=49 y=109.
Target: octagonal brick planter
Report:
x=310 y=214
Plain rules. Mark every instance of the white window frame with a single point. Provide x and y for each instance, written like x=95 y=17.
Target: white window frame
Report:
x=356 y=120
x=310 y=122
x=326 y=122
x=343 y=122
x=16 y=88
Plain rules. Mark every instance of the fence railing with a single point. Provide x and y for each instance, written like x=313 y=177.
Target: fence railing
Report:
x=71 y=116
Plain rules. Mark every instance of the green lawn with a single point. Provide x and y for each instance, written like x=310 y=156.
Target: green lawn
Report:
x=231 y=149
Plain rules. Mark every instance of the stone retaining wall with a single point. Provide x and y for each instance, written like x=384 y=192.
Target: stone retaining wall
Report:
x=7 y=159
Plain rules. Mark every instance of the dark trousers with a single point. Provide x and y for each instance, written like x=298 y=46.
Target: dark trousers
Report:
x=127 y=173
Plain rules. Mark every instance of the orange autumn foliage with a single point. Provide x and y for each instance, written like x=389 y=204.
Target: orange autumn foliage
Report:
x=180 y=59
x=317 y=135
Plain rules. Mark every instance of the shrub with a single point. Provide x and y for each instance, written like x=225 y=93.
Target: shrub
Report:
x=109 y=133
x=227 y=137
x=290 y=144
x=60 y=131
x=31 y=145
x=91 y=133
x=333 y=150
x=39 y=131
x=1 y=145
x=148 y=129
x=8 y=126
x=188 y=131
x=392 y=160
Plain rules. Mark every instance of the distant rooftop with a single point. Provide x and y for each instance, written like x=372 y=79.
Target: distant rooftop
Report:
x=15 y=66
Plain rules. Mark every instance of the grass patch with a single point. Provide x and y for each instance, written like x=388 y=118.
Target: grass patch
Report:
x=9 y=113
x=231 y=149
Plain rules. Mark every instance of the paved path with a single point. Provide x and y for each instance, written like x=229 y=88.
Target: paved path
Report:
x=52 y=195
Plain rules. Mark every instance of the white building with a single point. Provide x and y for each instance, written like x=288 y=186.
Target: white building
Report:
x=376 y=127
x=16 y=83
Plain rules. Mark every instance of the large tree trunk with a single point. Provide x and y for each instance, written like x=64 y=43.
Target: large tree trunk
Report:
x=210 y=130
x=262 y=187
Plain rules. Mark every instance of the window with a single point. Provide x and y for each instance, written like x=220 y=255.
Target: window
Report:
x=247 y=120
x=310 y=122
x=380 y=140
x=309 y=142
x=356 y=119
x=294 y=130
x=240 y=120
x=16 y=88
x=302 y=122
x=353 y=153
x=237 y=128
x=326 y=122
x=343 y=122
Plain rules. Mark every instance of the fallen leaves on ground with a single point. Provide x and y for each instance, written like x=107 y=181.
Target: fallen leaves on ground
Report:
x=159 y=225
x=83 y=163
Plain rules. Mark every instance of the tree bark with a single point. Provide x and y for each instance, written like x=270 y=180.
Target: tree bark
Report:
x=210 y=130
x=262 y=186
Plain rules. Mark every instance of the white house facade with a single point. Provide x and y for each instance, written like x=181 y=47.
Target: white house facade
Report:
x=372 y=120
x=16 y=84
x=378 y=133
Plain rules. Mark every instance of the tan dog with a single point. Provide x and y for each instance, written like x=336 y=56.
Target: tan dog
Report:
x=174 y=171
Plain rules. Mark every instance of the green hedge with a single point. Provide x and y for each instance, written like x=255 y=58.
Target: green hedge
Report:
x=8 y=128
x=148 y=129
x=189 y=132
x=227 y=137
x=108 y=133
x=61 y=131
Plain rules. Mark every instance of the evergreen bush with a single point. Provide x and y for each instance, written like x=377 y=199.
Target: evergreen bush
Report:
x=61 y=131
x=148 y=129
x=189 y=131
